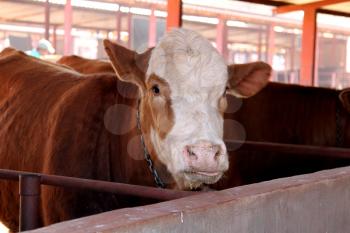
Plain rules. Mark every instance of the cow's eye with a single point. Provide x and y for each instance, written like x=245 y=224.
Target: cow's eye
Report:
x=155 y=90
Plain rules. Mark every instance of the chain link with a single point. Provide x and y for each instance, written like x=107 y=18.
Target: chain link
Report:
x=147 y=156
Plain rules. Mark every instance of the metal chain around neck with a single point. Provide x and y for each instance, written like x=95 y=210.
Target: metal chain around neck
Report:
x=157 y=179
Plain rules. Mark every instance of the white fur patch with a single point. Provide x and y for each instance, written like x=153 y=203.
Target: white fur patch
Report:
x=197 y=77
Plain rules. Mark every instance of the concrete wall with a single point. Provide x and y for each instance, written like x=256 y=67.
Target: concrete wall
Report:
x=318 y=202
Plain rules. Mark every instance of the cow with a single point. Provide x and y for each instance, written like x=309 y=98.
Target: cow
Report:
x=280 y=113
x=292 y=114
x=57 y=121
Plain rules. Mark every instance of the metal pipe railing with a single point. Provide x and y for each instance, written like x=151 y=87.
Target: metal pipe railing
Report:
x=29 y=183
x=289 y=148
x=29 y=191
x=99 y=185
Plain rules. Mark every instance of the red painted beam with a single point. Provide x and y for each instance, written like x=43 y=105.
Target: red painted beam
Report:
x=174 y=18
x=68 y=19
x=152 y=31
x=315 y=5
x=307 y=64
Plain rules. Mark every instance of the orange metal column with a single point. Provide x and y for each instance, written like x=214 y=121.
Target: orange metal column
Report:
x=68 y=18
x=118 y=25
x=221 y=37
x=54 y=36
x=307 y=61
x=47 y=20
x=152 y=31
x=174 y=18
x=130 y=29
x=270 y=47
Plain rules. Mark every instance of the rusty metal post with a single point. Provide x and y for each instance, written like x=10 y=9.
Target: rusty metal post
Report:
x=29 y=191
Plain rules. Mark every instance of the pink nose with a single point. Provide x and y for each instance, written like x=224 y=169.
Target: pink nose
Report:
x=203 y=156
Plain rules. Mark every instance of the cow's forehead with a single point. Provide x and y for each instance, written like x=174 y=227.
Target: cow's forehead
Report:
x=185 y=59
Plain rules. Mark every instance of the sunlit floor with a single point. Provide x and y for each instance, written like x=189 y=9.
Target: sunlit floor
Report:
x=3 y=229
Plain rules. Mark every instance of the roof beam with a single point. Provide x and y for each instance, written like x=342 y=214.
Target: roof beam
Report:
x=311 y=5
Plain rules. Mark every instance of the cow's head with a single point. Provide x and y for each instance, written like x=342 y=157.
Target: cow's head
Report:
x=183 y=82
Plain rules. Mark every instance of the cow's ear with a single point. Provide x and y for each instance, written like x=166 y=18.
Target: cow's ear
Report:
x=129 y=65
x=246 y=80
x=344 y=97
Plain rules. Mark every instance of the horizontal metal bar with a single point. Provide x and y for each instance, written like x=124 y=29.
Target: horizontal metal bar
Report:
x=101 y=186
x=167 y=194
x=289 y=148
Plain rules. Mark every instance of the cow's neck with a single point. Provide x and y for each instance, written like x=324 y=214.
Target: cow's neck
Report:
x=151 y=165
x=133 y=168
x=161 y=177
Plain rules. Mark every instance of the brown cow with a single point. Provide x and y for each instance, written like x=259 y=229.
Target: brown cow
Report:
x=279 y=113
x=57 y=121
x=290 y=114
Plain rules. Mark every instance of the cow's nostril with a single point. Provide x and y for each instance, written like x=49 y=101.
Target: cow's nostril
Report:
x=217 y=154
x=191 y=153
x=216 y=151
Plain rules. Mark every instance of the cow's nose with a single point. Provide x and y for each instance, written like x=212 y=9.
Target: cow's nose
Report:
x=203 y=156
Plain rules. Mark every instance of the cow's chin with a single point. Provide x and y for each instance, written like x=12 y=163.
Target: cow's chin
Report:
x=191 y=180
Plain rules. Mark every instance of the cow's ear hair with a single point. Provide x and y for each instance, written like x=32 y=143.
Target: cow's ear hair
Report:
x=344 y=97
x=246 y=80
x=129 y=65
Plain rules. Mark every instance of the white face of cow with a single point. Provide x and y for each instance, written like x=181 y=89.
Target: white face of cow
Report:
x=183 y=100
x=196 y=74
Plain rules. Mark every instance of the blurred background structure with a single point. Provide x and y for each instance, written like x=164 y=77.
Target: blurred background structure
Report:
x=243 y=31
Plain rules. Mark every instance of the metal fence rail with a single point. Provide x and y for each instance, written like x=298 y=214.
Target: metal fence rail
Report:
x=29 y=183
x=29 y=191
x=336 y=152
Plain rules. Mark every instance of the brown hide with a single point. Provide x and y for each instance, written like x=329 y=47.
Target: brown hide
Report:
x=86 y=66
x=286 y=114
x=52 y=121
